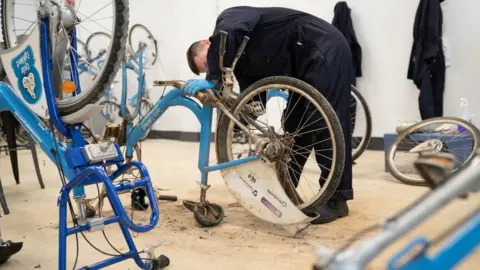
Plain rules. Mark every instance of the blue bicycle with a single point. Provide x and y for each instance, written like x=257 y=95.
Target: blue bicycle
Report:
x=279 y=145
x=34 y=64
x=456 y=244
x=140 y=101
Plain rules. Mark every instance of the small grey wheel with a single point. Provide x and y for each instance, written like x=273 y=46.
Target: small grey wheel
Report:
x=443 y=134
x=210 y=215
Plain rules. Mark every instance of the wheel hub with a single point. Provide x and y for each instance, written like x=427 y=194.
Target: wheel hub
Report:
x=428 y=147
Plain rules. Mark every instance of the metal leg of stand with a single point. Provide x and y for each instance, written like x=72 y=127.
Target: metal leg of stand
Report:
x=35 y=161
x=3 y=201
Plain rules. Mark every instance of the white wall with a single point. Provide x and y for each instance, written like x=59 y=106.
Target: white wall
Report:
x=384 y=29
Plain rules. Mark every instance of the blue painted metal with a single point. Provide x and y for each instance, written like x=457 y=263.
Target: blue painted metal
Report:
x=274 y=92
x=229 y=164
x=205 y=133
x=461 y=244
x=174 y=97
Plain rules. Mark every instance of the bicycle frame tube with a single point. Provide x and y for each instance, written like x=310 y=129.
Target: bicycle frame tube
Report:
x=460 y=245
x=135 y=101
x=35 y=127
x=459 y=183
x=175 y=97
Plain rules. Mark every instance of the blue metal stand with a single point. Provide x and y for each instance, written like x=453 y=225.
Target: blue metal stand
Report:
x=73 y=164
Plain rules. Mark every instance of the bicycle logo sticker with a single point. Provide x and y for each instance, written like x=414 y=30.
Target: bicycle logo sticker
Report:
x=283 y=203
x=270 y=206
x=28 y=78
x=254 y=191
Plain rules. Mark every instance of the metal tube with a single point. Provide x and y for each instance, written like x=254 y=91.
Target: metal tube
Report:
x=362 y=254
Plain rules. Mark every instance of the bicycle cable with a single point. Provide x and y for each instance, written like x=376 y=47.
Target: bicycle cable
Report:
x=100 y=210
x=64 y=183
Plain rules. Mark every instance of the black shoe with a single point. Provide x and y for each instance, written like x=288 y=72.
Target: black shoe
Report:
x=8 y=249
x=335 y=208
x=138 y=199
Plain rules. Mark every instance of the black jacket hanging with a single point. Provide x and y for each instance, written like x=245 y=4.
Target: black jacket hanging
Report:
x=343 y=22
x=427 y=61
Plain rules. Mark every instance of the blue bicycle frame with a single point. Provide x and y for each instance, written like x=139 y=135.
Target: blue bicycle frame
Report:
x=73 y=164
x=135 y=101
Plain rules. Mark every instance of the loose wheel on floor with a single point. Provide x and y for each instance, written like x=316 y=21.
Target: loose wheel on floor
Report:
x=18 y=20
x=361 y=123
x=306 y=129
x=443 y=134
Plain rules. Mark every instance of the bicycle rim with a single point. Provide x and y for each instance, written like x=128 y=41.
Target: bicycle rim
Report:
x=309 y=192
x=361 y=123
x=443 y=134
x=19 y=19
x=139 y=33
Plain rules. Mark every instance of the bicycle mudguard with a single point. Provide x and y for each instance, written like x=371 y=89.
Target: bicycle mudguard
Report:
x=23 y=67
x=256 y=187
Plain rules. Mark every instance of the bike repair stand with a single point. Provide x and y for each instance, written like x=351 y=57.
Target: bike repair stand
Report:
x=81 y=163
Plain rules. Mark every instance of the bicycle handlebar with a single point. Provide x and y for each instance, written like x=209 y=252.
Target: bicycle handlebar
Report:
x=202 y=96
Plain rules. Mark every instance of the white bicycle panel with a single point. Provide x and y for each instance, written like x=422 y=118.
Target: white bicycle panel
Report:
x=256 y=187
x=23 y=66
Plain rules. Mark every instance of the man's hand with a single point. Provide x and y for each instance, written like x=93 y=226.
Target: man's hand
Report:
x=193 y=86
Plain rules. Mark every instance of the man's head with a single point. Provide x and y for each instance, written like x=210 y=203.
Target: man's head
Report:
x=197 y=56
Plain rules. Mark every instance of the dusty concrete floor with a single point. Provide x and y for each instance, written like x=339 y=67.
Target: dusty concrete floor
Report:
x=240 y=242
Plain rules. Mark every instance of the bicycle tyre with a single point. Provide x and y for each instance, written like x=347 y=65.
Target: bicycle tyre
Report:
x=87 y=42
x=138 y=25
x=452 y=120
x=339 y=159
x=368 y=118
x=112 y=64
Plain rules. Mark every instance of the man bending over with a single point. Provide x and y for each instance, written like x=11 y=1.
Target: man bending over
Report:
x=286 y=42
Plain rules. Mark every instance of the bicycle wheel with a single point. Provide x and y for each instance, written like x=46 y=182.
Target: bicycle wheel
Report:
x=360 y=121
x=442 y=134
x=111 y=111
x=139 y=33
x=95 y=44
x=19 y=19
x=296 y=143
